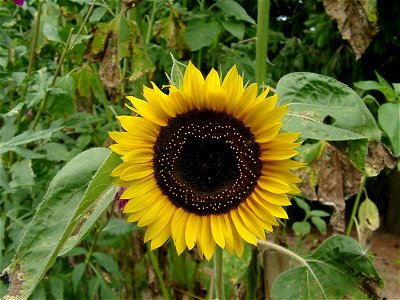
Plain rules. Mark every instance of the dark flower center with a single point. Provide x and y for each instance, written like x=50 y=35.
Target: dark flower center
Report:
x=206 y=162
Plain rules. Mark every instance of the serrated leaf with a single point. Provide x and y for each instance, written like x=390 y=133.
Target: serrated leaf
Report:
x=338 y=269
x=389 y=119
x=71 y=194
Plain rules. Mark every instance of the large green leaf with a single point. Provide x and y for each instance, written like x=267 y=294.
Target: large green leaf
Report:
x=69 y=206
x=389 y=118
x=340 y=268
x=324 y=109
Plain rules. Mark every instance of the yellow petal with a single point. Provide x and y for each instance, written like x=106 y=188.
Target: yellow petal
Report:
x=178 y=226
x=164 y=220
x=152 y=213
x=193 y=83
x=137 y=171
x=147 y=111
x=217 y=229
x=273 y=185
x=251 y=222
x=207 y=241
x=139 y=155
x=277 y=154
x=161 y=238
x=191 y=230
x=278 y=199
x=246 y=234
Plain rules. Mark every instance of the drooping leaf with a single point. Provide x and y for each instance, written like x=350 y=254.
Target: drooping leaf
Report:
x=177 y=71
x=339 y=268
x=82 y=183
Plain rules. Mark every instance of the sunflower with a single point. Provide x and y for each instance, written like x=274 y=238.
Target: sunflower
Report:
x=205 y=164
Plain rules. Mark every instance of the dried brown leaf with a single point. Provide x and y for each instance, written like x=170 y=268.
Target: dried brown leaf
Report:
x=354 y=24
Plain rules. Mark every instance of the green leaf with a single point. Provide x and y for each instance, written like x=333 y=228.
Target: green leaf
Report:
x=77 y=274
x=118 y=227
x=108 y=263
x=22 y=173
x=319 y=213
x=302 y=204
x=301 y=228
x=324 y=109
x=235 y=268
x=25 y=138
x=368 y=215
x=68 y=202
x=310 y=152
x=56 y=152
x=200 y=34
x=236 y=28
x=232 y=8
x=338 y=269
x=57 y=287
x=51 y=33
x=320 y=224
x=389 y=119
x=177 y=72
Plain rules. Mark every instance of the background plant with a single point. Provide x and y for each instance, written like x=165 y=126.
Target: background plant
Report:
x=65 y=67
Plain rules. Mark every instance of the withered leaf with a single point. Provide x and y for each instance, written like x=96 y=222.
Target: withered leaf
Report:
x=356 y=22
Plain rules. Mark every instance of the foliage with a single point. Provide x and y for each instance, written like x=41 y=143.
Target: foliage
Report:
x=65 y=68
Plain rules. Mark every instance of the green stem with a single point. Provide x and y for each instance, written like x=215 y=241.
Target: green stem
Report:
x=56 y=73
x=157 y=270
x=83 y=24
x=262 y=40
x=219 y=274
x=355 y=206
x=151 y=21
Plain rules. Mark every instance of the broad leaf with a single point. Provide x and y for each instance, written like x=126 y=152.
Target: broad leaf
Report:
x=322 y=108
x=70 y=199
x=340 y=268
x=201 y=34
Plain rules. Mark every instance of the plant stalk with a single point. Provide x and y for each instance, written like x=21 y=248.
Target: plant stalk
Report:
x=355 y=206
x=262 y=40
x=157 y=270
x=219 y=274
x=53 y=82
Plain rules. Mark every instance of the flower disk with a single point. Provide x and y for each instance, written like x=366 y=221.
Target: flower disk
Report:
x=206 y=163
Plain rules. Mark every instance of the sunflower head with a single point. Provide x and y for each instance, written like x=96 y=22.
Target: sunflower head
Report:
x=206 y=164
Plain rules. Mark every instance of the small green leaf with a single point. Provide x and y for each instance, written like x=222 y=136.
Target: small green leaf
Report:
x=232 y=8
x=51 y=33
x=302 y=204
x=301 y=228
x=389 y=119
x=320 y=224
x=22 y=173
x=77 y=274
x=177 y=72
x=118 y=227
x=200 y=34
x=368 y=215
x=56 y=152
x=319 y=213
x=57 y=287
x=108 y=263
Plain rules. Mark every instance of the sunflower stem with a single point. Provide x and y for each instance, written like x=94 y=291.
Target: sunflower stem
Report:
x=355 y=206
x=157 y=270
x=218 y=273
x=262 y=40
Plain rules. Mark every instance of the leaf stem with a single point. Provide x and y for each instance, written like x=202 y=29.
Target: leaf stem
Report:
x=157 y=270
x=293 y=255
x=151 y=21
x=262 y=40
x=219 y=274
x=56 y=73
x=355 y=206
